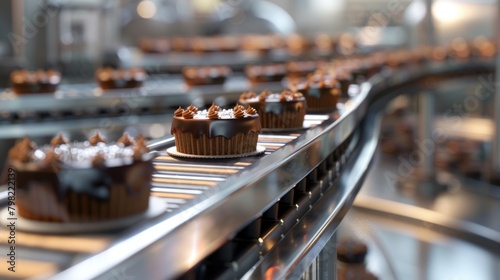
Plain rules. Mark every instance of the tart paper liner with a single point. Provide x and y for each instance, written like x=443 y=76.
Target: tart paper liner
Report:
x=172 y=151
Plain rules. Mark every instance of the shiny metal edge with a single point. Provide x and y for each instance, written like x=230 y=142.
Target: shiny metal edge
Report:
x=185 y=239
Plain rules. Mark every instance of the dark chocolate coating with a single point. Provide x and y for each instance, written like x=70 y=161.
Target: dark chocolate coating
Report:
x=220 y=127
x=94 y=181
x=317 y=92
x=277 y=107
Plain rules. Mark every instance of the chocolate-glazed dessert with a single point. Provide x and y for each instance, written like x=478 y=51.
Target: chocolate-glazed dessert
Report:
x=296 y=44
x=460 y=49
x=154 y=45
x=324 y=43
x=482 y=47
x=109 y=78
x=277 y=110
x=216 y=131
x=265 y=73
x=40 y=81
x=300 y=69
x=87 y=181
x=345 y=79
x=214 y=44
x=208 y=75
x=260 y=44
x=321 y=91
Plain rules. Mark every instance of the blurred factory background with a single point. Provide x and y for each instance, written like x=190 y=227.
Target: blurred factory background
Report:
x=450 y=233
x=68 y=32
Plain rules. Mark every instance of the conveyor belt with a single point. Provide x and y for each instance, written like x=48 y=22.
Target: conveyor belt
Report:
x=233 y=202
x=177 y=182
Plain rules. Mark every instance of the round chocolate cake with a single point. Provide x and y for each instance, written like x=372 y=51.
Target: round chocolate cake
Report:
x=109 y=78
x=277 y=110
x=40 y=81
x=82 y=181
x=208 y=75
x=265 y=73
x=322 y=91
x=215 y=131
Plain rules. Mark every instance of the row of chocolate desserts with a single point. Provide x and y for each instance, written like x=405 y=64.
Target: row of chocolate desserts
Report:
x=95 y=181
x=321 y=90
x=214 y=131
x=261 y=43
x=46 y=81
x=23 y=81
x=366 y=65
x=40 y=81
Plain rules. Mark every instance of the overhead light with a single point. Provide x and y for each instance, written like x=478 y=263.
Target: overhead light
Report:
x=146 y=9
x=446 y=11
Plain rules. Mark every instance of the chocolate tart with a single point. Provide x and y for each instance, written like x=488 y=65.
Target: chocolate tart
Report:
x=87 y=181
x=277 y=110
x=322 y=92
x=215 y=131
x=208 y=75
x=109 y=78
x=40 y=81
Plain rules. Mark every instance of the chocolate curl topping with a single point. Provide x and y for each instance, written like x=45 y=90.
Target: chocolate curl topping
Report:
x=214 y=107
x=188 y=114
x=126 y=140
x=238 y=107
x=58 y=140
x=192 y=108
x=251 y=111
x=284 y=97
x=178 y=112
x=98 y=160
x=96 y=138
x=140 y=148
x=213 y=114
x=248 y=95
x=22 y=150
x=264 y=94
x=239 y=112
x=51 y=158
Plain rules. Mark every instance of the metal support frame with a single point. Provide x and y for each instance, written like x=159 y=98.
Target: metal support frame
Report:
x=495 y=155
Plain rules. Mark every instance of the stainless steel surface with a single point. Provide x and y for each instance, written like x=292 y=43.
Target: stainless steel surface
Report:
x=208 y=203
x=429 y=26
x=181 y=185
x=303 y=244
x=415 y=251
x=228 y=202
x=469 y=209
x=223 y=206
x=286 y=260
x=495 y=155
x=327 y=259
x=425 y=129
